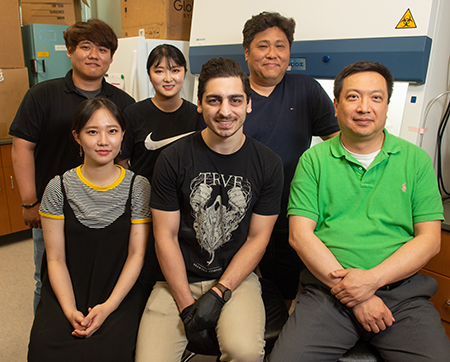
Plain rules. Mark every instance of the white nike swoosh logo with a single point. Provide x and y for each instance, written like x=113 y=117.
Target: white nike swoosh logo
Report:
x=154 y=145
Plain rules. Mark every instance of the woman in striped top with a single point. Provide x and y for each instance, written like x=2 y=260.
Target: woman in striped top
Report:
x=96 y=221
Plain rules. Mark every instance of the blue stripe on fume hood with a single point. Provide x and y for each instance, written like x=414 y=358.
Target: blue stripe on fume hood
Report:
x=406 y=57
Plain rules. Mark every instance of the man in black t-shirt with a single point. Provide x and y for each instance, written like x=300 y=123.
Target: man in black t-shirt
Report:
x=215 y=198
x=43 y=145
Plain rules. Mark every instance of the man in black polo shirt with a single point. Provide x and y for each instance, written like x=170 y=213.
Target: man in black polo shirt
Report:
x=43 y=145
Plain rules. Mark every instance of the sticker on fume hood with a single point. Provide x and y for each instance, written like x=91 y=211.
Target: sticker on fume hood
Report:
x=407 y=21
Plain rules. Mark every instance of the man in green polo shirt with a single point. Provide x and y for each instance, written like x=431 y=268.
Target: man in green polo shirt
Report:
x=364 y=216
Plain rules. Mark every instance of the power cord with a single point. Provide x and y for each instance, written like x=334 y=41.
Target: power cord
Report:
x=441 y=131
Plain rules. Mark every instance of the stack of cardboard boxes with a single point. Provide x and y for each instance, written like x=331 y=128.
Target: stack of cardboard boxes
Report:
x=160 y=19
x=13 y=74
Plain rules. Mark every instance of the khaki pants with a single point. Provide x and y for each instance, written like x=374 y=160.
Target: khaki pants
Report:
x=240 y=329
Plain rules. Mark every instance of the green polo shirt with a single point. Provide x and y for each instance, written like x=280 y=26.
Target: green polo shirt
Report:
x=364 y=216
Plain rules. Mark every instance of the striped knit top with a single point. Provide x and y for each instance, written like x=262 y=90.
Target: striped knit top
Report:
x=94 y=206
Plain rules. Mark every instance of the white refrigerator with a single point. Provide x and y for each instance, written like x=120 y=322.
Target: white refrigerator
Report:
x=128 y=69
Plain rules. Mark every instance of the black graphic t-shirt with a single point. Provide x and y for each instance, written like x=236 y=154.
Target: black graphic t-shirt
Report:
x=216 y=196
x=150 y=130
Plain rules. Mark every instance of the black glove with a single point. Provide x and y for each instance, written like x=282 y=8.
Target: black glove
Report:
x=203 y=342
x=204 y=313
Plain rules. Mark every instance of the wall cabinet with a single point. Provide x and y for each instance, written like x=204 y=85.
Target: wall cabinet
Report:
x=10 y=210
x=439 y=269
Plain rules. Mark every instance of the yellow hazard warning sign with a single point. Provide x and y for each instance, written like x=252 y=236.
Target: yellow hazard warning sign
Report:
x=407 y=21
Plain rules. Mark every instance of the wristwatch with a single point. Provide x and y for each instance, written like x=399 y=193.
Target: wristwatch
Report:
x=226 y=293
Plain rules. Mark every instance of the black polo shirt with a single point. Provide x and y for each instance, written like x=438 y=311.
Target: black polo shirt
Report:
x=45 y=117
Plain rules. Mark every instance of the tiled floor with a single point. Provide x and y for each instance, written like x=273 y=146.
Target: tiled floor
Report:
x=16 y=299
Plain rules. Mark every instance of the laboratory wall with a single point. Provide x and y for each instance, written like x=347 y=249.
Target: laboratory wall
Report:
x=110 y=11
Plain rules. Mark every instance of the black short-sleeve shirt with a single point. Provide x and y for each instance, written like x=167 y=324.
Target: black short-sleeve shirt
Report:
x=285 y=121
x=45 y=117
x=150 y=130
x=216 y=195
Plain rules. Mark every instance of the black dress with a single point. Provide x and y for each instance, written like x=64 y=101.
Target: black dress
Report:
x=95 y=258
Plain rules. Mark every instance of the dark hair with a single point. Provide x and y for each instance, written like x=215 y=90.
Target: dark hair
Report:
x=266 y=20
x=88 y=107
x=222 y=68
x=94 y=30
x=363 y=66
x=173 y=55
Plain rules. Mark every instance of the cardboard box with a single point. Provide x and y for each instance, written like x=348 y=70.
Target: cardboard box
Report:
x=164 y=19
x=61 y=12
x=48 y=13
x=11 y=52
x=47 y=1
x=13 y=86
x=160 y=31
